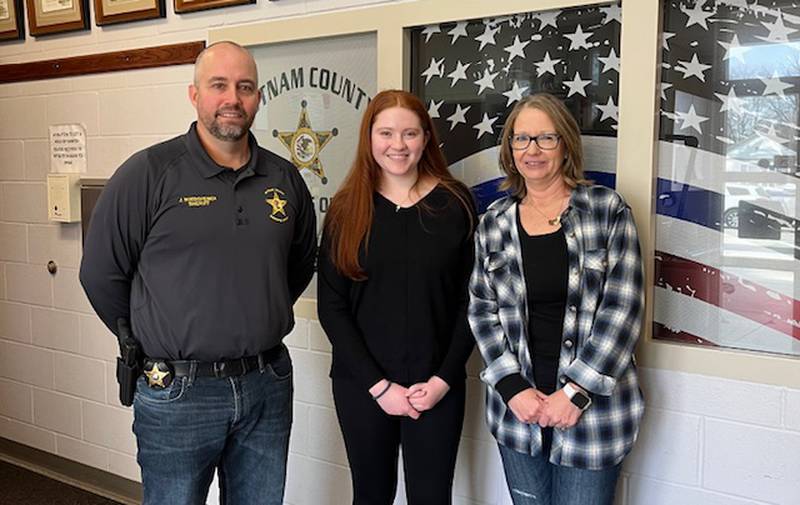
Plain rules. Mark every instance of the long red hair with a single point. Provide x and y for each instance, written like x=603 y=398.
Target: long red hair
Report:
x=349 y=217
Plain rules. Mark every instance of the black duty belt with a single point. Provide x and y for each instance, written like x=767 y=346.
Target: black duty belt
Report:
x=158 y=371
x=225 y=368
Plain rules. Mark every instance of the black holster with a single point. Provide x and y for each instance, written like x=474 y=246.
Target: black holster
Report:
x=129 y=363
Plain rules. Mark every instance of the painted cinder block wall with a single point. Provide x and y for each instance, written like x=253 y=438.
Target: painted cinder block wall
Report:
x=705 y=441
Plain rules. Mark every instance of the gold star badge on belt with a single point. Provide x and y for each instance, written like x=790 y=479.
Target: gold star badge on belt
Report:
x=157 y=378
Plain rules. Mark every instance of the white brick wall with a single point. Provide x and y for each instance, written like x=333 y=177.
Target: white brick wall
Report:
x=705 y=441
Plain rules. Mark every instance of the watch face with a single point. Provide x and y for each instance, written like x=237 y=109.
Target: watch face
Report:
x=580 y=400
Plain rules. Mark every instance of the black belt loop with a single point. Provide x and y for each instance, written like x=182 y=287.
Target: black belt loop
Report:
x=261 y=365
x=192 y=372
x=219 y=368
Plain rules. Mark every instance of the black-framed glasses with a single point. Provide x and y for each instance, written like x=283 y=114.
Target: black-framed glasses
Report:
x=545 y=141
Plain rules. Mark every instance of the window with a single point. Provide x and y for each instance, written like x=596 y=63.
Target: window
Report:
x=727 y=254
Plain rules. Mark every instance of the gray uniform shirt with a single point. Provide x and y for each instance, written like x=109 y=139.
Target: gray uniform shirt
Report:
x=206 y=262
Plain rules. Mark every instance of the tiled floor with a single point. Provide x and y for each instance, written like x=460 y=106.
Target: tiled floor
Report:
x=19 y=486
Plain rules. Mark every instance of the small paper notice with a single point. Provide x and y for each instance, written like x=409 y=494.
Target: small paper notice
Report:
x=67 y=148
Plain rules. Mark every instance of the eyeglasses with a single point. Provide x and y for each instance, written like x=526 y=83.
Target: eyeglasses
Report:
x=545 y=141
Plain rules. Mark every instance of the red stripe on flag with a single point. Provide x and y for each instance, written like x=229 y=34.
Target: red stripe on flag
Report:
x=728 y=291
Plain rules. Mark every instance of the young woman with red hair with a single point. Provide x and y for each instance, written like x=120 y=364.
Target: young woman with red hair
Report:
x=394 y=267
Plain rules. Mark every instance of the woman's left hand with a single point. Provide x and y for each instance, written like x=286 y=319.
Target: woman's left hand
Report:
x=425 y=395
x=558 y=411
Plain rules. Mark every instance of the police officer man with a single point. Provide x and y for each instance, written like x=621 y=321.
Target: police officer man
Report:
x=204 y=242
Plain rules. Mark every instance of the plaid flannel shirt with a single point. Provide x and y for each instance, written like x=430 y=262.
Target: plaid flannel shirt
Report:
x=602 y=322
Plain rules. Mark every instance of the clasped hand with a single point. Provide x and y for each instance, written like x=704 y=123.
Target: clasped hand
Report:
x=411 y=401
x=531 y=406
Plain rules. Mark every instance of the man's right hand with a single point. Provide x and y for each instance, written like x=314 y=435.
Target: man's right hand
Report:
x=527 y=404
x=394 y=401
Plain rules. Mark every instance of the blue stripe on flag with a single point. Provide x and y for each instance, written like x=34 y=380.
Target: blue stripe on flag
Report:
x=689 y=203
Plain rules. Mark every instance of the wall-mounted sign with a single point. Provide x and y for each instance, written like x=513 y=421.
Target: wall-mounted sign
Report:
x=67 y=148
x=314 y=93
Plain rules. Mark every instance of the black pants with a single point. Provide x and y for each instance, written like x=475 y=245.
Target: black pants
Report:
x=372 y=439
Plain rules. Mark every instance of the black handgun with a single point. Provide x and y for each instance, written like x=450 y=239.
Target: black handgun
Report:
x=129 y=362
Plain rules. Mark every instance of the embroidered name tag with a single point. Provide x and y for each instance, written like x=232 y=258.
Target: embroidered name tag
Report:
x=197 y=201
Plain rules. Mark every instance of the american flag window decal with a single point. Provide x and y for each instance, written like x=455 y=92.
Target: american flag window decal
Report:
x=471 y=72
x=727 y=254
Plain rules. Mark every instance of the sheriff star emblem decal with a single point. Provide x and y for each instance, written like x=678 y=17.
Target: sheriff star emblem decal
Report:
x=305 y=144
x=276 y=200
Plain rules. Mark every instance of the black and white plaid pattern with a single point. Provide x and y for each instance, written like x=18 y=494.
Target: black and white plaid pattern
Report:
x=605 y=305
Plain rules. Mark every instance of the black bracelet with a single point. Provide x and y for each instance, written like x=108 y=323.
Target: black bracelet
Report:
x=377 y=396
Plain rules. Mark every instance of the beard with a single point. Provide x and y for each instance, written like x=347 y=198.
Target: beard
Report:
x=228 y=132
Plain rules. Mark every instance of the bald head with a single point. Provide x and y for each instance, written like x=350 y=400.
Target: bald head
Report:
x=225 y=92
x=223 y=50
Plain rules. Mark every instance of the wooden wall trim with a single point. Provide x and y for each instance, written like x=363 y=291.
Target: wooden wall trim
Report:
x=148 y=57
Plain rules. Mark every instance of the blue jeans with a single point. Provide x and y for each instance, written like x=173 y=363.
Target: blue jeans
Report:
x=239 y=425
x=532 y=480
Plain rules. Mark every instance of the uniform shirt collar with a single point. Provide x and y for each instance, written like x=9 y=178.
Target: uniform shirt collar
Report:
x=208 y=167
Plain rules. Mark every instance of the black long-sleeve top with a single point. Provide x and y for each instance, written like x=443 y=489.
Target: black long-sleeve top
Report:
x=205 y=261
x=545 y=265
x=407 y=321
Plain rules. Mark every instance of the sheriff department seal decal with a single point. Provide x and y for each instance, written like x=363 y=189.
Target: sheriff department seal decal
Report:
x=305 y=144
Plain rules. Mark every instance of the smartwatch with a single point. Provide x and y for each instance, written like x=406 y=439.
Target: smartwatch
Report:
x=577 y=397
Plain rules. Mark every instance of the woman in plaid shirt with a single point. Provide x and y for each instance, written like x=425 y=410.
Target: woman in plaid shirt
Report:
x=556 y=305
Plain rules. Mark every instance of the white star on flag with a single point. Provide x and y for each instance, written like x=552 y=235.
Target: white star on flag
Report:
x=774 y=86
x=692 y=68
x=773 y=136
x=515 y=93
x=460 y=73
x=485 y=126
x=546 y=66
x=459 y=31
x=664 y=87
x=458 y=116
x=433 y=109
x=733 y=49
x=516 y=49
x=435 y=69
x=548 y=19
x=778 y=32
x=730 y=101
x=665 y=39
x=697 y=16
x=610 y=62
x=609 y=110
x=487 y=37
x=691 y=119
x=579 y=39
x=613 y=13
x=429 y=31
x=577 y=85
x=486 y=81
